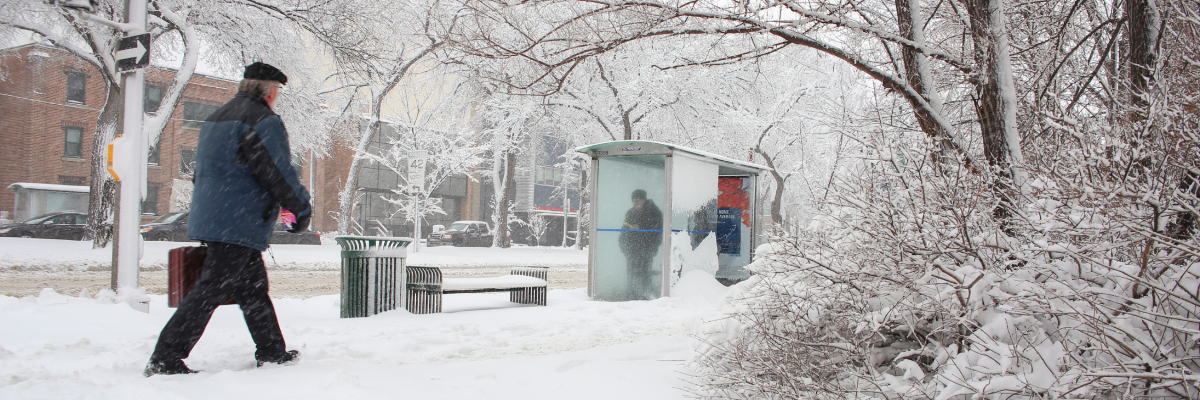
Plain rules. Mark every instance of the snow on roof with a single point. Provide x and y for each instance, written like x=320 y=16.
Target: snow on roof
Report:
x=694 y=152
x=49 y=187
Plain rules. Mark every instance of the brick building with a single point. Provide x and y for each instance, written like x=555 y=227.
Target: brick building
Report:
x=49 y=103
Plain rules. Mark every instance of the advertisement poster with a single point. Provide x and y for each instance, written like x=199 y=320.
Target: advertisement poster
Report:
x=733 y=212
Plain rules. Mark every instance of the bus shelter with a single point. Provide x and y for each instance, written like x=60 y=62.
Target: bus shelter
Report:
x=34 y=199
x=660 y=211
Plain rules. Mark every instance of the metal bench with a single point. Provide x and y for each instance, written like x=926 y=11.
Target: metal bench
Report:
x=425 y=287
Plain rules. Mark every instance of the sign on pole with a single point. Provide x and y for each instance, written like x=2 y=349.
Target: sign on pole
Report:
x=416 y=170
x=133 y=52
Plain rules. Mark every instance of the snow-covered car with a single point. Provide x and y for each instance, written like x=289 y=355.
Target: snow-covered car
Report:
x=59 y=225
x=463 y=233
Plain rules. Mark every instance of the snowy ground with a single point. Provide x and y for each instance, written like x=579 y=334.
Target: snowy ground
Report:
x=482 y=347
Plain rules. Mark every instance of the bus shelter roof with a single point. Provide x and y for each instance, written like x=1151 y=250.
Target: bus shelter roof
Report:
x=646 y=147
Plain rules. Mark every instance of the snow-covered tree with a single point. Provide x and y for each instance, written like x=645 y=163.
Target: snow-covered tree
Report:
x=376 y=67
x=454 y=152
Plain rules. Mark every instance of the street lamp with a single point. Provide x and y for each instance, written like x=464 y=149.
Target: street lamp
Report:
x=128 y=151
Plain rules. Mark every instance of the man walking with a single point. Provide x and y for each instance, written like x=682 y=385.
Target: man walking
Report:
x=640 y=239
x=243 y=175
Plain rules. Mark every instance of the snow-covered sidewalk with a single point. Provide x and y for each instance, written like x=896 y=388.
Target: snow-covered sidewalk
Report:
x=482 y=347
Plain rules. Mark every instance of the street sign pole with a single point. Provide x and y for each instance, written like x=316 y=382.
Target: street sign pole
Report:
x=416 y=185
x=128 y=244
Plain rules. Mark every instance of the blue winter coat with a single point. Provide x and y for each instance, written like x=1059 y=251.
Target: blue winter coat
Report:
x=243 y=175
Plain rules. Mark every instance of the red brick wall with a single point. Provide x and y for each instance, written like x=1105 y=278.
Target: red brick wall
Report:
x=33 y=113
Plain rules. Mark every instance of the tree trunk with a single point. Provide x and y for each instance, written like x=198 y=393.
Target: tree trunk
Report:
x=103 y=192
x=1144 y=22
x=506 y=201
x=916 y=73
x=346 y=197
x=780 y=180
x=777 y=200
x=627 y=125
x=584 y=200
x=995 y=104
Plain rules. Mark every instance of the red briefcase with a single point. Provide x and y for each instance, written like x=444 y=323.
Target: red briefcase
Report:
x=183 y=270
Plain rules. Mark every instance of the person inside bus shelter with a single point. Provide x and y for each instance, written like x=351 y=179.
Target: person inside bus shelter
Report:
x=641 y=236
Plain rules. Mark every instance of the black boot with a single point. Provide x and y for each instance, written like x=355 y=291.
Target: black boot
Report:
x=170 y=367
x=288 y=358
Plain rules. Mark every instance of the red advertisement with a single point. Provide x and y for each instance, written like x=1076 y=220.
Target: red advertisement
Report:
x=733 y=212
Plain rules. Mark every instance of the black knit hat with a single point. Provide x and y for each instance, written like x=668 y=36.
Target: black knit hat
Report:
x=265 y=72
x=639 y=194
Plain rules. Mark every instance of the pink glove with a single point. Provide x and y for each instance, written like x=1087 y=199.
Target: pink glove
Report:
x=287 y=218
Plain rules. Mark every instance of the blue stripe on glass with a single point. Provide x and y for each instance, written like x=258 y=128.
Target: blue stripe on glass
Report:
x=651 y=230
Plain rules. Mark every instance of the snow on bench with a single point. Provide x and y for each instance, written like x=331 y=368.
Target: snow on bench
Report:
x=425 y=287
x=458 y=285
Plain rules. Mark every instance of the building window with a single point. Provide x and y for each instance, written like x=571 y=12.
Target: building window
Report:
x=153 y=98
x=549 y=176
x=150 y=205
x=194 y=114
x=187 y=162
x=73 y=146
x=76 y=87
x=71 y=180
x=152 y=158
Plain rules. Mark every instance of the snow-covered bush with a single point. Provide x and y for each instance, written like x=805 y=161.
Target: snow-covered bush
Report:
x=908 y=286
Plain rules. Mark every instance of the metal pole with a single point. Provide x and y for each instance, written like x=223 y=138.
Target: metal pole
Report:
x=668 y=210
x=593 y=200
x=312 y=193
x=417 y=233
x=129 y=242
x=116 y=239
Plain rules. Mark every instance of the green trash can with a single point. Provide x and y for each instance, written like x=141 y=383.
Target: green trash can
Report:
x=372 y=274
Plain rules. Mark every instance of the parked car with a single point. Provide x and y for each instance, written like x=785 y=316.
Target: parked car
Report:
x=59 y=225
x=170 y=227
x=463 y=233
x=173 y=227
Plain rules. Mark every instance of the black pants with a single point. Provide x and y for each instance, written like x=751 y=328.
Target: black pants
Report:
x=641 y=276
x=229 y=271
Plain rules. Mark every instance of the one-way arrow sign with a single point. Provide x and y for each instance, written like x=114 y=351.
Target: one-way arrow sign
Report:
x=133 y=52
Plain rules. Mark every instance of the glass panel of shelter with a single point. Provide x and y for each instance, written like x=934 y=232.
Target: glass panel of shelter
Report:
x=629 y=227
x=693 y=217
